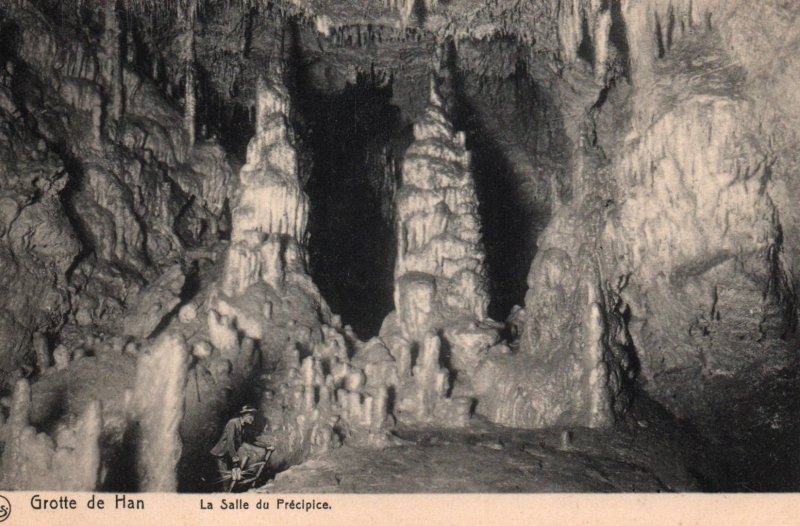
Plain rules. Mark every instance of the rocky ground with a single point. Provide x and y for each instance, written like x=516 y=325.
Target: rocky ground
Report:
x=492 y=459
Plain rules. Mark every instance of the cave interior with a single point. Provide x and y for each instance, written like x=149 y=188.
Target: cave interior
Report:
x=440 y=246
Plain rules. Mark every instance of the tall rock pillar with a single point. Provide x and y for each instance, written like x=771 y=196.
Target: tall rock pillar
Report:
x=271 y=210
x=439 y=274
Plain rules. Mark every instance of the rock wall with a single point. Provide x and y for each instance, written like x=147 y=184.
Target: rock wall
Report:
x=703 y=237
x=37 y=244
x=687 y=275
x=698 y=232
x=101 y=196
x=711 y=245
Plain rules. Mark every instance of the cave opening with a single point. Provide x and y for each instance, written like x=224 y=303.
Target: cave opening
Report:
x=351 y=137
x=505 y=223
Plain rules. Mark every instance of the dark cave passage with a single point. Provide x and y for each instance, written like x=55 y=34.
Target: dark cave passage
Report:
x=506 y=222
x=516 y=145
x=353 y=177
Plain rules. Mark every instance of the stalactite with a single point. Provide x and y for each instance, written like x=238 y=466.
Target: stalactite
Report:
x=113 y=62
x=189 y=15
x=602 y=29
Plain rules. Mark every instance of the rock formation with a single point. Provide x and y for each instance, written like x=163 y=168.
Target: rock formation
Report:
x=69 y=462
x=157 y=405
x=700 y=229
x=102 y=201
x=154 y=303
x=440 y=281
x=573 y=365
x=188 y=190
x=439 y=272
x=271 y=211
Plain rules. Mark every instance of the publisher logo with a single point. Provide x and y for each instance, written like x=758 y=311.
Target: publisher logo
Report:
x=5 y=508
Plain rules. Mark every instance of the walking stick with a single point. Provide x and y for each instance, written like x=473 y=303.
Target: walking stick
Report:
x=241 y=469
x=233 y=483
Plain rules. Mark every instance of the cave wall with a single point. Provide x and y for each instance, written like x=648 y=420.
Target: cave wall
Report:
x=99 y=202
x=701 y=231
x=697 y=232
x=670 y=213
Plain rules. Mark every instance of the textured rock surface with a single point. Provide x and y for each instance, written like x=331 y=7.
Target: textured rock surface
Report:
x=188 y=190
x=491 y=459
x=154 y=303
x=69 y=461
x=697 y=234
x=271 y=211
x=158 y=407
x=91 y=203
x=439 y=272
x=573 y=364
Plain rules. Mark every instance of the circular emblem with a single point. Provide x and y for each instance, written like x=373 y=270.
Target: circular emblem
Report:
x=5 y=508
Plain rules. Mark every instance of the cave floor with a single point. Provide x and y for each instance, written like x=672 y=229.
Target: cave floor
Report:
x=493 y=459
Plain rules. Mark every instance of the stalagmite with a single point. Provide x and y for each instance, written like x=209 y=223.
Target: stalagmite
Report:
x=222 y=333
x=158 y=407
x=68 y=461
x=42 y=352
x=271 y=212
x=439 y=273
x=61 y=357
x=427 y=375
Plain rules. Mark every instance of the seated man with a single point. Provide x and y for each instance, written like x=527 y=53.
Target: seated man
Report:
x=227 y=448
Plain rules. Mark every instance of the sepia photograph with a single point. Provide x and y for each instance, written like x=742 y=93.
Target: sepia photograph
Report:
x=263 y=250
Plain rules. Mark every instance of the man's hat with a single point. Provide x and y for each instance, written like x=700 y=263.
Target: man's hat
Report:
x=246 y=410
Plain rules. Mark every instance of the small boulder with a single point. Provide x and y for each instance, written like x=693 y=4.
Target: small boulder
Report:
x=201 y=350
x=62 y=357
x=187 y=313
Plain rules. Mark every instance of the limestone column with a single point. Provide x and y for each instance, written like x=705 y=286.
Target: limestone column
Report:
x=270 y=214
x=439 y=273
